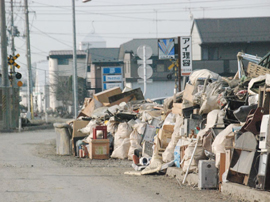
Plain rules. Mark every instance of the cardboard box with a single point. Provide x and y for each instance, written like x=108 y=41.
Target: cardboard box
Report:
x=103 y=96
x=165 y=136
x=99 y=149
x=168 y=128
x=189 y=92
x=78 y=124
x=87 y=111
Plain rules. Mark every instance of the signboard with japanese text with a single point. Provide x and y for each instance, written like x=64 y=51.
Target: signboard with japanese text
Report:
x=112 y=77
x=186 y=59
x=166 y=49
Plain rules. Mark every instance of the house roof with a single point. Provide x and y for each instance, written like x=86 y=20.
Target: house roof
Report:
x=104 y=54
x=65 y=53
x=233 y=30
x=132 y=46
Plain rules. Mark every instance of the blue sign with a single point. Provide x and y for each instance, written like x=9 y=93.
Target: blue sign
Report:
x=166 y=49
x=111 y=85
x=111 y=78
x=112 y=70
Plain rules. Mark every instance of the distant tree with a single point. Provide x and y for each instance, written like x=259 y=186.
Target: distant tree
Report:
x=63 y=90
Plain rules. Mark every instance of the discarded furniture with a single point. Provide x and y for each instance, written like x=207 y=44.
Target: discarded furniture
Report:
x=264 y=98
x=243 y=166
x=103 y=129
x=253 y=121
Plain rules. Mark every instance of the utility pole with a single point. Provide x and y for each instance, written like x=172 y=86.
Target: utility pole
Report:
x=12 y=33
x=45 y=98
x=179 y=66
x=4 y=63
x=14 y=102
x=75 y=79
x=28 y=56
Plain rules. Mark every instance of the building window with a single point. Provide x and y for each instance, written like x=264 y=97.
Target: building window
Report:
x=88 y=69
x=62 y=61
x=210 y=53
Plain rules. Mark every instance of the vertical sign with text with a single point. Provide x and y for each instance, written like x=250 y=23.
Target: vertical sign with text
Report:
x=186 y=59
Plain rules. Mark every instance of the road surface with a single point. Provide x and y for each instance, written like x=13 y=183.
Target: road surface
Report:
x=31 y=171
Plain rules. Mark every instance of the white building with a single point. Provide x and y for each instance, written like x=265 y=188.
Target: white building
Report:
x=92 y=41
x=41 y=89
x=61 y=64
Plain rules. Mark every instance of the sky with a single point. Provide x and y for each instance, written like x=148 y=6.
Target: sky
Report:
x=116 y=21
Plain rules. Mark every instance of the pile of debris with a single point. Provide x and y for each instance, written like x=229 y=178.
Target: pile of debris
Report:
x=216 y=127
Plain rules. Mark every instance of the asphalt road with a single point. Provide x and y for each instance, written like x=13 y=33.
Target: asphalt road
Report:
x=30 y=171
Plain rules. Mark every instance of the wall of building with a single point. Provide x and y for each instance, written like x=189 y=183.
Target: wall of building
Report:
x=196 y=41
x=155 y=89
x=56 y=70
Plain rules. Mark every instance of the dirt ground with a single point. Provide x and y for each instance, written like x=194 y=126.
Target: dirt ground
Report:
x=157 y=186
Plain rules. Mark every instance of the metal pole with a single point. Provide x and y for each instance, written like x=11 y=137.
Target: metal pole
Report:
x=179 y=66
x=28 y=56
x=45 y=100
x=4 y=63
x=144 y=71
x=75 y=79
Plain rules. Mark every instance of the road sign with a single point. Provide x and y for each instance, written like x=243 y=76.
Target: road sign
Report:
x=149 y=71
x=148 y=51
x=166 y=49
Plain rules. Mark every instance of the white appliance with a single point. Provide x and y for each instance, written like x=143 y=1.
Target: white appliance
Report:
x=264 y=143
x=208 y=178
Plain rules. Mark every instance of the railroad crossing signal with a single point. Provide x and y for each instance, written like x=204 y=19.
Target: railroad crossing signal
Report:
x=11 y=62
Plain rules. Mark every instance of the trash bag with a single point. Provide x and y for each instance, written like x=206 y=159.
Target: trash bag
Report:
x=88 y=129
x=121 y=152
x=112 y=126
x=203 y=73
x=135 y=139
x=168 y=154
x=224 y=139
x=198 y=155
x=123 y=130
